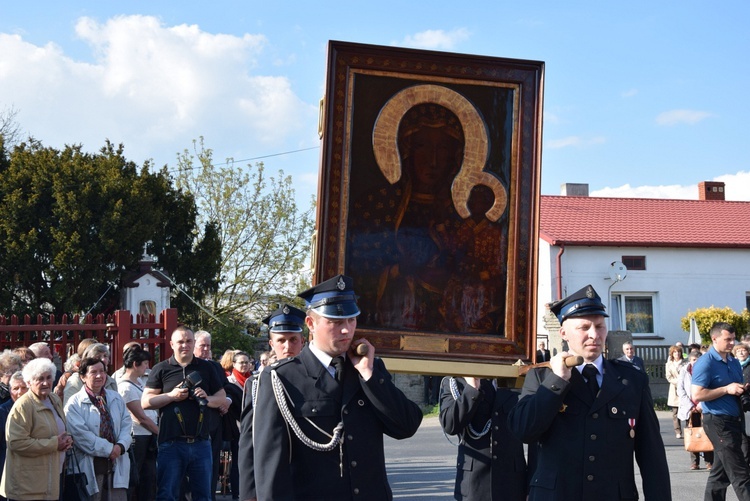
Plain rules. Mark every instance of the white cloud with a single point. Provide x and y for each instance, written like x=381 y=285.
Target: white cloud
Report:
x=736 y=187
x=629 y=93
x=152 y=87
x=573 y=141
x=436 y=39
x=675 y=117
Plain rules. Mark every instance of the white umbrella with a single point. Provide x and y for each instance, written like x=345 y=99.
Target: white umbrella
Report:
x=695 y=336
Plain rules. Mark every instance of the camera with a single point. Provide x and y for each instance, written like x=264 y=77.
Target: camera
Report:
x=190 y=382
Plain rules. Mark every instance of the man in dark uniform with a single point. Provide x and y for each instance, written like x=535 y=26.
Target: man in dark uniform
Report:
x=320 y=417
x=590 y=420
x=491 y=464
x=285 y=327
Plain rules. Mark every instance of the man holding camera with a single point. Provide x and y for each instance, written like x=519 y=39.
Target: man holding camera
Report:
x=181 y=388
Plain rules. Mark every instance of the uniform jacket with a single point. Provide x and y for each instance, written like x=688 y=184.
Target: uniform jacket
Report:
x=83 y=424
x=287 y=469
x=490 y=468
x=585 y=446
x=32 y=465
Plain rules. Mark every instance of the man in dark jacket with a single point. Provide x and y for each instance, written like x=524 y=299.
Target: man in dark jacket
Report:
x=589 y=421
x=491 y=464
x=320 y=417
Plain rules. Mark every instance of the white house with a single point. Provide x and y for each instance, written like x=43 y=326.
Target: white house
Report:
x=680 y=255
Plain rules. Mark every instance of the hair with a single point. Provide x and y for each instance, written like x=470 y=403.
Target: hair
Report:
x=739 y=346
x=182 y=328
x=626 y=343
x=37 y=368
x=201 y=334
x=10 y=361
x=717 y=327
x=673 y=349
x=129 y=345
x=37 y=347
x=227 y=359
x=96 y=350
x=86 y=363
x=17 y=376
x=71 y=364
x=135 y=355
x=239 y=353
x=694 y=353
x=694 y=346
x=83 y=344
x=24 y=353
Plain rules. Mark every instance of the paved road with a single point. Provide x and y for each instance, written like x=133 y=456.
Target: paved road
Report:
x=422 y=468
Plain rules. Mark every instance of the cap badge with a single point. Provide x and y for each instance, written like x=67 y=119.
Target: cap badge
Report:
x=286 y=310
x=340 y=285
x=590 y=293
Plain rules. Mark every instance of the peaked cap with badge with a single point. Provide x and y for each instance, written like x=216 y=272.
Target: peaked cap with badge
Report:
x=333 y=298
x=579 y=304
x=286 y=318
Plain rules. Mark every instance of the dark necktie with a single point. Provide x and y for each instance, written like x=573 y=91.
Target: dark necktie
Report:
x=338 y=364
x=590 y=372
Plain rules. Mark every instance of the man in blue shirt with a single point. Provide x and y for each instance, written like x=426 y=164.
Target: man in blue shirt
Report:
x=718 y=385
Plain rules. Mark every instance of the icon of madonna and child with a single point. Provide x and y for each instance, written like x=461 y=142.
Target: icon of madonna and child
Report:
x=420 y=264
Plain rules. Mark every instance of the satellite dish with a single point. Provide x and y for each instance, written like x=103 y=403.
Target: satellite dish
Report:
x=618 y=271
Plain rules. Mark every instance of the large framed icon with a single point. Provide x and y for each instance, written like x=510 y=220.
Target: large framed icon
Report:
x=429 y=198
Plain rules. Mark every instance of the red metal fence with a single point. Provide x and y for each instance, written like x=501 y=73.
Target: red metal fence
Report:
x=113 y=330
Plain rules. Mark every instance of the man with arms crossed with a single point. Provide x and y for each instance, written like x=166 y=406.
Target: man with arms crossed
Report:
x=718 y=385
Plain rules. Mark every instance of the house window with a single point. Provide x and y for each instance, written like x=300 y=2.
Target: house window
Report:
x=747 y=301
x=634 y=262
x=633 y=312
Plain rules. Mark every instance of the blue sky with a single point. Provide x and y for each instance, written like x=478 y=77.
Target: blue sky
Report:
x=641 y=98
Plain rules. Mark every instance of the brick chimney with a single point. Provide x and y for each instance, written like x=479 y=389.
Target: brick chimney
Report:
x=710 y=190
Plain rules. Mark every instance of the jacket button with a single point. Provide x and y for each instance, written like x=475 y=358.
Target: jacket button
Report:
x=355 y=490
x=315 y=409
x=349 y=437
x=354 y=464
x=592 y=458
x=361 y=403
x=593 y=437
x=590 y=478
x=595 y=415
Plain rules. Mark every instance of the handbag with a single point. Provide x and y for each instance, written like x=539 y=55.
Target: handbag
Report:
x=696 y=439
x=75 y=483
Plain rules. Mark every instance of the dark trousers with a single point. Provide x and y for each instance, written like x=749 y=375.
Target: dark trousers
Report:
x=144 y=451
x=729 y=466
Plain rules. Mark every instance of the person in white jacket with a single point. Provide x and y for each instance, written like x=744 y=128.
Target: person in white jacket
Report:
x=100 y=425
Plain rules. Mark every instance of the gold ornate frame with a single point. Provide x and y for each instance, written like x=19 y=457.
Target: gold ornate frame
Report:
x=498 y=103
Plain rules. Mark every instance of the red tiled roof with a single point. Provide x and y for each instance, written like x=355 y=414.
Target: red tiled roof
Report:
x=644 y=222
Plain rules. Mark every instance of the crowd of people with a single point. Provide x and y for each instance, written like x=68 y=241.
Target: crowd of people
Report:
x=308 y=422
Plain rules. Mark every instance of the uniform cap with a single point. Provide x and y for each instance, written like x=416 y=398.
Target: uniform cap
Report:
x=333 y=298
x=286 y=318
x=579 y=304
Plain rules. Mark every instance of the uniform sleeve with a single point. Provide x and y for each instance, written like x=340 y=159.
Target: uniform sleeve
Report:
x=541 y=399
x=400 y=416
x=456 y=413
x=650 y=453
x=245 y=450
x=271 y=446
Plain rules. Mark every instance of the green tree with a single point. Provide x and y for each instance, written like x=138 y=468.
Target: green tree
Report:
x=706 y=317
x=73 y=223
x=265 y=238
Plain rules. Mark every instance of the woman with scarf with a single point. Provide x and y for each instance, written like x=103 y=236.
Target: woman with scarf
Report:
x=241 y=373
x=100 y=424
x=690 y=410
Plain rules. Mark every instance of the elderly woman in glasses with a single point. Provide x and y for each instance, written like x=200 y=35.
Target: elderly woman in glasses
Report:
x=100 y=424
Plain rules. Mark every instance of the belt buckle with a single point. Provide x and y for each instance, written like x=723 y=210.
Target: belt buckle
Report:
x=190 y=440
